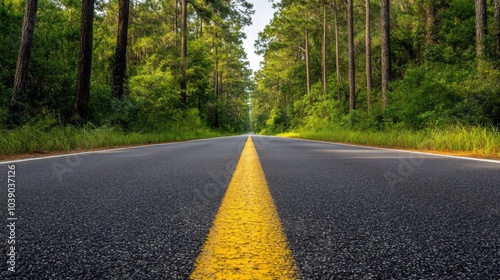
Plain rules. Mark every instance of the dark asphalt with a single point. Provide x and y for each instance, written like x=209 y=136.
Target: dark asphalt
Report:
x=348 y=212
x=138 y=213
x=346 y=217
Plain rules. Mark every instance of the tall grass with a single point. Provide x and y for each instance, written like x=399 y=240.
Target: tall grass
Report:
x=34 y=139
x=477 y=141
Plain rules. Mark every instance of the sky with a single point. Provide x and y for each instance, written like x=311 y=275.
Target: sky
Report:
x=263 y=14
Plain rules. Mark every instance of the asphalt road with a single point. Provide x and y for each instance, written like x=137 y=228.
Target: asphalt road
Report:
x=348 y=212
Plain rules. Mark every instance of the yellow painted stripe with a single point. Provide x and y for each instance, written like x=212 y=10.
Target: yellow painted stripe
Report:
x=246 y=240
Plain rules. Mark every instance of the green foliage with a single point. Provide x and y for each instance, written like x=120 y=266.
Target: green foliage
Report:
x=4 y=101
x=458 y=31
x=440 y=96
x=276 y=122
x=317 y=111
x=437 y=81
x=111 y=112
x=153 y=90
x=423 y=97
x=152 y=100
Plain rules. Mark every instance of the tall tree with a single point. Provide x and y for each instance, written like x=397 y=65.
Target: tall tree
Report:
x=81 y=107
x=481 y=22
x=337 y=48
x=386 y=47
x=308 y=66
x=24 y=55
x=430 y=37
x=184 y=14
x=352 y=65
x=368 y=41
x=323 y=49
x=497 y=25
x=176 y=21
x=216 y=80
x=120 y=59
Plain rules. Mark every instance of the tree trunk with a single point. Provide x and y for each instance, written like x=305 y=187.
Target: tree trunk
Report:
x=216 y=83
x=184 y=53
x=497 y=25
x=368 y=42
x=430 y=37
x=81 y=108
x=176 y=24
x=481 y=22
x=220 y=84
x=386 y=48
x=24 y=55
x=120 y=64
x=323 y=50
x=352 y=70
x=308 y=69
x=337 y=49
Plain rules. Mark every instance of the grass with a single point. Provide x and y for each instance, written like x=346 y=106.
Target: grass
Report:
x=31 y=139
x=472 y=141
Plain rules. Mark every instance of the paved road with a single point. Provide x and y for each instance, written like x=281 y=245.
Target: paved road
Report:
x=348 y=212
x=361 y=213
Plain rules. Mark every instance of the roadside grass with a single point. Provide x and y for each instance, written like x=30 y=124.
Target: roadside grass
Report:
x=474 y=141
x=31 y=139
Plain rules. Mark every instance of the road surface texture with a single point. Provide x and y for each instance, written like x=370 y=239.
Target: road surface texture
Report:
x=347 y=212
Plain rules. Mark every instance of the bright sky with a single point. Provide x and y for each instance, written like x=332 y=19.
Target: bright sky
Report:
x=263 y=14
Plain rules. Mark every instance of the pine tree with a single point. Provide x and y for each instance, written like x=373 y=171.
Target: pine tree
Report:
x=120 y=59
x=352 y=63
x=368 y=63
x=24 y=56
x=481 y=22
x=386 y=48
x=81 y=107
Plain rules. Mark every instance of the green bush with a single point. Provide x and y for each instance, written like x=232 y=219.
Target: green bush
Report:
x=276 y=122
x=423 y=98
x=159 y=103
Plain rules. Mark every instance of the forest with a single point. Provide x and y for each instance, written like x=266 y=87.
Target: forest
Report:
x=86 y=74
x=373 y=67
x=124 y=67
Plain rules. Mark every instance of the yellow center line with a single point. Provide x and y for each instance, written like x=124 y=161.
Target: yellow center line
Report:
x=246 y=240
